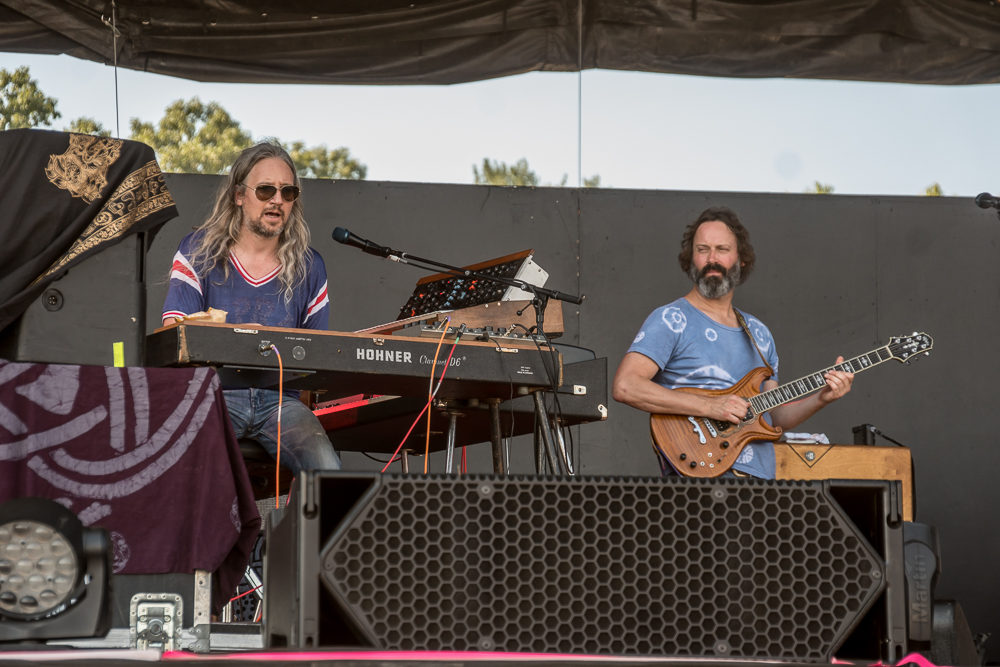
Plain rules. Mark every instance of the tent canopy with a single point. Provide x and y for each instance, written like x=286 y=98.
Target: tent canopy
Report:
x=453 y=41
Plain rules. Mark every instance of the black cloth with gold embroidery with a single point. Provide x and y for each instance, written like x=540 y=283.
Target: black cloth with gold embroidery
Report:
x=64 y=197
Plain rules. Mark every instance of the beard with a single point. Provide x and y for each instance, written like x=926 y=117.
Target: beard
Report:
x=714 y=287
x=257 y=226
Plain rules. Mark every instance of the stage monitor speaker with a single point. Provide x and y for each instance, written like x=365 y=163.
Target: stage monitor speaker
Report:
x=719 y=568
x=80 y=317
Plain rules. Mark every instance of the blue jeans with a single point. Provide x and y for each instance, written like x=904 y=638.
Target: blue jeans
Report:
x=304 y=443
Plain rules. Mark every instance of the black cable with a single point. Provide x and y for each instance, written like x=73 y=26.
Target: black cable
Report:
x=367 y=455
x=555 y=388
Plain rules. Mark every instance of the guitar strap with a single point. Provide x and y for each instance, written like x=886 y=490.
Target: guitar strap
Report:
x=743 y=323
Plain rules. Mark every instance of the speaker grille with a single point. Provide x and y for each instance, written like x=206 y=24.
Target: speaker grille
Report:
x=679 y=567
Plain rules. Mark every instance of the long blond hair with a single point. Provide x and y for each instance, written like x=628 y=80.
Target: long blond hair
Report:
x=224 y=225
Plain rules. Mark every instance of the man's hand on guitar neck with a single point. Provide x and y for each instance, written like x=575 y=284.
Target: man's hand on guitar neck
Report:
x=838 y=383
x=790 y=415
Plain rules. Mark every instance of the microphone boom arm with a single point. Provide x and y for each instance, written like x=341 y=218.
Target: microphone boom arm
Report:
x=539 y=300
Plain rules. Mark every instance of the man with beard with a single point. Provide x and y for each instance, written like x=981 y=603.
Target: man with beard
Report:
x=698 y=341
x=251 y=258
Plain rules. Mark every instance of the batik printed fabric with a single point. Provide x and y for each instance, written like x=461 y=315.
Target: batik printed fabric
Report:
x=247 y=299
x=693 y=350
x=148 y=454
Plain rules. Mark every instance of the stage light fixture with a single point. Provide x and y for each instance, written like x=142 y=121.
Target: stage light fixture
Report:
x=54 y=574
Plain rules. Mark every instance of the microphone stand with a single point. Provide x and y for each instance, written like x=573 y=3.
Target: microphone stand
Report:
x=559 y=462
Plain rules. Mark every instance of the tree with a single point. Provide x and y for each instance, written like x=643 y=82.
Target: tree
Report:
x=818 y=188
x=198 y=138
x=22 y=104
x=193 y=137
x=321 y=162
x=501 y=173
x=85 y=125
x=519 y=174
x=933 y=190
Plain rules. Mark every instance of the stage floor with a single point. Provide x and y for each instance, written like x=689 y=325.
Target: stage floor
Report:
x=85 y=657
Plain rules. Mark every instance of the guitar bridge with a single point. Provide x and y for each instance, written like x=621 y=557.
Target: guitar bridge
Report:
x=696 y=428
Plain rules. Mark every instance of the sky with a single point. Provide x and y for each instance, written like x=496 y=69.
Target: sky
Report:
x=635 y=130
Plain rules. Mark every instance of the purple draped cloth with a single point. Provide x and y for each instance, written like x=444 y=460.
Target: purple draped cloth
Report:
x=146 y=453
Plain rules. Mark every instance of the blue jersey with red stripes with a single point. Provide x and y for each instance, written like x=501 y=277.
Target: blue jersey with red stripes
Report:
x=246 y=298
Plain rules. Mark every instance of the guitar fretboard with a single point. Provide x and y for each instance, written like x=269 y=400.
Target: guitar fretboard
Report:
x=806 y=385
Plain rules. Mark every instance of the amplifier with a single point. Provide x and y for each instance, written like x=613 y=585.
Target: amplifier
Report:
x=818 y=461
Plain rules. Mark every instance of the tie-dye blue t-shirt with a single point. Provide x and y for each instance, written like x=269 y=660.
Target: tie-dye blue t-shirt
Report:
x=693 y=350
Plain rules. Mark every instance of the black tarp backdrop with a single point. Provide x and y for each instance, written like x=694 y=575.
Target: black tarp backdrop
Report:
x=835 y=275
x=451 y=41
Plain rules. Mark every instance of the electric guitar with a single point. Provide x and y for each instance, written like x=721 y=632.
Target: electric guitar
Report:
x=704 y=447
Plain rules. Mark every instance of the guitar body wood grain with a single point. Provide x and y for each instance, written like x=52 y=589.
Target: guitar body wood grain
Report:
x=703 y=447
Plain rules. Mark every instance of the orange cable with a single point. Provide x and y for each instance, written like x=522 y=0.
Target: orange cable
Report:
x=403 y=441
x=447 y=361
x=277 y=457
x=426 y=406
x=430 y=391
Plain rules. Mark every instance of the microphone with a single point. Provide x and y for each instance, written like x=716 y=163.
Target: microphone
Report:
x=986 y=200
x=345 y=236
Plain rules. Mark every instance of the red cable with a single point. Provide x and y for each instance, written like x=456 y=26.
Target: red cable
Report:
x=426 y=405
x=234 y=599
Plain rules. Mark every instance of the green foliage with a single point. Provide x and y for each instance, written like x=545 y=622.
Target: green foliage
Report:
x=193 y=137
x=818 y=188
x=85 y=125
x=500 y=173
x=933 y=190
x=22 y=104
x=495 y=172
x=321 y=162
x=198 y=138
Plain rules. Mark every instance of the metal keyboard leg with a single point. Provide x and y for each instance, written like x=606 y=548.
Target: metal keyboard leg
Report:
x=450 y=446
x=495 y=438
x=539 y=450
x=561 y=441
x=542 y=417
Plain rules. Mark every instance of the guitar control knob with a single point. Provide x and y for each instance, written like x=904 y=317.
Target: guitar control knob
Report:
x=693 y=464
x=725 y=444
x=683 y=456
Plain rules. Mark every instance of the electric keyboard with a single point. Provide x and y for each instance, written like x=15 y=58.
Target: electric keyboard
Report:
x=343 y=363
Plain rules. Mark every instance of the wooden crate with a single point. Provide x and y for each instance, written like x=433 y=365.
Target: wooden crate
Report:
x=816 y=461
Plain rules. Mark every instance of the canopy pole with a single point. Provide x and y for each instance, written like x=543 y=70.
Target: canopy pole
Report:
x=579 y=93
x=114 y=45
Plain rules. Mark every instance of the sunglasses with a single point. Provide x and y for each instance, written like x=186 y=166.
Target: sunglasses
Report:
x=266 y=192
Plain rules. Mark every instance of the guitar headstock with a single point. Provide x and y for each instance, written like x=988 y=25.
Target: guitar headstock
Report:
x=903 y=348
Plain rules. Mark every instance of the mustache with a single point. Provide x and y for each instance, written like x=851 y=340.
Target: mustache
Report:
x=712 y=267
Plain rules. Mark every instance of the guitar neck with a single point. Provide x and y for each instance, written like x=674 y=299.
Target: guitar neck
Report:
x=804 y=386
